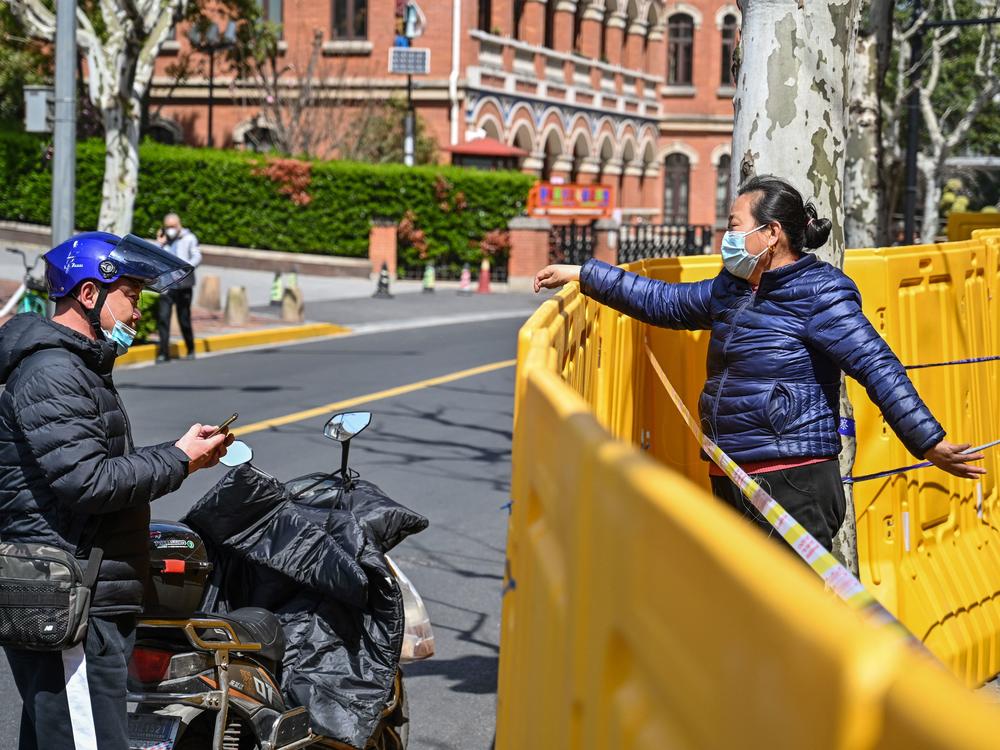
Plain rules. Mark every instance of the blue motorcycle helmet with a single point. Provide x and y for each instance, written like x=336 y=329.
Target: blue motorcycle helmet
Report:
x=104 y=258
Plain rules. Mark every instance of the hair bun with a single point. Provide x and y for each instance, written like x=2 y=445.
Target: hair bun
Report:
x=817 y=232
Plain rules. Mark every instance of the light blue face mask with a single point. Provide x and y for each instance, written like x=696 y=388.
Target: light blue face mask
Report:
x=122 y=336
x=735 y=257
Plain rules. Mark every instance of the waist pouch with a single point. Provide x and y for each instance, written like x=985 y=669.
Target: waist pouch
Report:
x=44 y=596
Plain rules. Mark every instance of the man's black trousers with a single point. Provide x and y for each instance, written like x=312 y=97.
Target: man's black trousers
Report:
x=75 y=699
x=181 y=298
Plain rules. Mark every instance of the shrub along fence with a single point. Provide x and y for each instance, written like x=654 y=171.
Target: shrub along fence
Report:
x=252 y=200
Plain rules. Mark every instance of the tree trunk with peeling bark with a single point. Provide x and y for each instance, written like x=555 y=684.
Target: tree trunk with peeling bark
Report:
x=120 y=63
x=121 y=168
x=791 y=109
x=866 y=218
x=792 y=121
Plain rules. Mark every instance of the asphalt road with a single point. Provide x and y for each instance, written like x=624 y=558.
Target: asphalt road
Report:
x=443 y=451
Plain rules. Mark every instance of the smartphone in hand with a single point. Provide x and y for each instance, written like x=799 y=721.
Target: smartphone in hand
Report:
x=224 y=425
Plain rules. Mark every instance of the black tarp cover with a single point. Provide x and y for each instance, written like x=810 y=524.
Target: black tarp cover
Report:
x=318 y=563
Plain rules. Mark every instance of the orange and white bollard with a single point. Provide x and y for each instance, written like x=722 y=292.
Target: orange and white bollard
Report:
x=484 y=277
x=465 y=281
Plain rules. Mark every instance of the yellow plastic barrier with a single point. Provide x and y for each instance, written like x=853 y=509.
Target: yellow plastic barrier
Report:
x=962 y=226
x=640 y=612
x=927 y=545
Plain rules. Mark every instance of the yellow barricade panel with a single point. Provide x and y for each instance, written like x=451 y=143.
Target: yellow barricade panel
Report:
x=645 y=614
x=962 y=226
x=923 y=710
x=641 y=613
x=926 y=547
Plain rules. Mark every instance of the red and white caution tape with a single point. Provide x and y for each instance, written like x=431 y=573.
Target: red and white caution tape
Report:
x=836 y=577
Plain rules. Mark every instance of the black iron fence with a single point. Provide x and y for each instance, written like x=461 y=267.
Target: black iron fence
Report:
x=452 y=271
x=642 y=241
x=571 y=243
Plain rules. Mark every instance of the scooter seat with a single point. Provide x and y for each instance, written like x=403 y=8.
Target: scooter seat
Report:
x=256 y=625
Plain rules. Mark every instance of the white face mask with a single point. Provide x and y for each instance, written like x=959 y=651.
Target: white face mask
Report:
x=121 y=335
x=172 y=233
x=735 y=257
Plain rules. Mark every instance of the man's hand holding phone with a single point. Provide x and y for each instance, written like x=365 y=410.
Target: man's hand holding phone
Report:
x=224 y=427
x=204 y=445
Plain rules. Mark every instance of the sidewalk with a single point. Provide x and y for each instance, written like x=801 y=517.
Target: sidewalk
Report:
x=406 y=310
x=257 y=283
x=234 y=267
x=334 y=305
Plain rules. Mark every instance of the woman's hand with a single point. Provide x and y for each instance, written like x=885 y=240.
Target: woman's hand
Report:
x=551 y=277
x=953 y=459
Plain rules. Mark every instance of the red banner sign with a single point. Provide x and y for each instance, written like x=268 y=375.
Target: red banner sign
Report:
x=593 y=201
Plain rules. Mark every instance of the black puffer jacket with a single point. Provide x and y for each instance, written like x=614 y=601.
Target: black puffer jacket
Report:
x=69 y=474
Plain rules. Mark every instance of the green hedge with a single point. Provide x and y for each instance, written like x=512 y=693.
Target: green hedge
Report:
x=226 y=199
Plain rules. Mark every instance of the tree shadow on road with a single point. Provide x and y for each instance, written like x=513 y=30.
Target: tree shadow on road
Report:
x=477 y=447
x=328 y=354
x=467 y=674
x=179 y=387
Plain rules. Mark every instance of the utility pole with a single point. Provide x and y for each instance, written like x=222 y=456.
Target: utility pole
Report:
x=64 y=135
x=413 y=27
x=408 y=124
x=209 y=40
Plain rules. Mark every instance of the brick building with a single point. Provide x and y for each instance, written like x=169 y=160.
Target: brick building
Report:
x=632 y=93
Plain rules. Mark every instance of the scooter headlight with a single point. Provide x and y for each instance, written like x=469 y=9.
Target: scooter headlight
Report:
x=418 y=637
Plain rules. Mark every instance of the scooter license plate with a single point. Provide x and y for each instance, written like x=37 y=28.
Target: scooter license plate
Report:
x=152 y=731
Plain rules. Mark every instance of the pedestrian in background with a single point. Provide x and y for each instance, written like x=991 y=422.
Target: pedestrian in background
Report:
x=183 y=243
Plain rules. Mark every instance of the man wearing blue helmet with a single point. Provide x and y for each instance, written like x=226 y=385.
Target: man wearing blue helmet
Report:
x=70 y=476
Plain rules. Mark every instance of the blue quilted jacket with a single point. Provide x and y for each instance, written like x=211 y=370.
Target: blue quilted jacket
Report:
x=775 y=356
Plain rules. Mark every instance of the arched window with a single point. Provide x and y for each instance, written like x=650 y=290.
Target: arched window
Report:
x=166 y=132
x=271 y=10
x=680 y=50
x=350 y=19
x=676 y=179
x=485 y=14
x=723 y=194
x=260 y=139
x=550 y=25
x=581 y=9
x=729 y=29
x=553 y=149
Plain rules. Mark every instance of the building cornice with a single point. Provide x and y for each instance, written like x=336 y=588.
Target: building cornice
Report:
x=681 y=123
x=565 y=56
x=562 y=104
x=163 y=89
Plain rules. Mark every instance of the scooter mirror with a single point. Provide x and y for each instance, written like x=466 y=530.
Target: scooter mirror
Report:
x=237 y=454
x=342 y=427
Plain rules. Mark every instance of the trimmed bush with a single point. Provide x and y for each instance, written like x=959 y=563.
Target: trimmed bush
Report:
x=248 y=200
x=149 y=306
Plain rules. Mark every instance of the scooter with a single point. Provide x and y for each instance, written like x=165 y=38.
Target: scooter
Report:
x=33 y=293
x=211 y=680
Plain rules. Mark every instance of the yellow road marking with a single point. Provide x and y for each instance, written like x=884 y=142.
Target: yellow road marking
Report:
x=378 y=396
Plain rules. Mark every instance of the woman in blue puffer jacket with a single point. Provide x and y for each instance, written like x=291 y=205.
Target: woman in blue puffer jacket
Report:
x=784 y=326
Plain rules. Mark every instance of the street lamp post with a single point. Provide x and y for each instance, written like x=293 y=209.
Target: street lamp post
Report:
x=64 y=136
x=209 y=40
